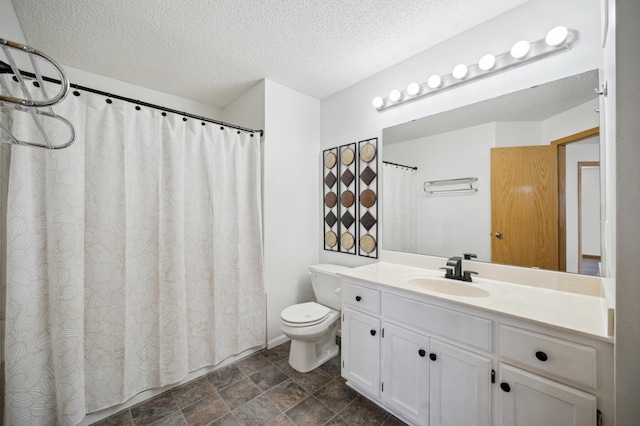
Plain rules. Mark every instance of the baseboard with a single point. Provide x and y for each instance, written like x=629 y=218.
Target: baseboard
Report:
x=277 y=341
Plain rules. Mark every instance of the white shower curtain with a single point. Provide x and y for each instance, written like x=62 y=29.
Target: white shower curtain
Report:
x=134 y=257
x=399 y=228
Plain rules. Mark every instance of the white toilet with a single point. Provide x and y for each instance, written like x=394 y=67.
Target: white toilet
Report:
x=313 y=326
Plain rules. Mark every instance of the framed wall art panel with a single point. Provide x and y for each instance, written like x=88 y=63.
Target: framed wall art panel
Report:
x=330 y=204
x=368 y=198
x=347 y=184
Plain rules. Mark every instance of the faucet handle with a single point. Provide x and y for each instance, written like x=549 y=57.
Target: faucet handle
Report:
x=448 y=272
x=467 y=275
x=469 y=256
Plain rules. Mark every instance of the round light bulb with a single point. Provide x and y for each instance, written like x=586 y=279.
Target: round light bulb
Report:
x=394 y=95
x=434 y=81
x=459 y=71
x=556 y=36
x=487 y=62
x=520 y=49
x=377 y=102
x=413 y=89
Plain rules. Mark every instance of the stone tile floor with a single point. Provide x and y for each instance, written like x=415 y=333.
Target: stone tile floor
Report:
x=261 y=389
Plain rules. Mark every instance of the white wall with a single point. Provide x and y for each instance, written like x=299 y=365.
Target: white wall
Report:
x=248 y=110
x=121 y=88
x=348 y=115
x=625 y=86
x=518 y=133
x=453 y=224
x=9 y=25
x=291 y=199
x=570 y=122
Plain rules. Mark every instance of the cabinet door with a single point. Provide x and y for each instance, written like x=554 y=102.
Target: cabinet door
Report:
x=361 y=350
x=530 y=400
x=460 y=386
x=405 y=372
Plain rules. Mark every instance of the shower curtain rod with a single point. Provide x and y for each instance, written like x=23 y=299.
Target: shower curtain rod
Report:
x=400 y=165
x=4 y=68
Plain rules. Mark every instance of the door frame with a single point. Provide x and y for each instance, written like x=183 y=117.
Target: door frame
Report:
x=582 y=164
x=561 y=145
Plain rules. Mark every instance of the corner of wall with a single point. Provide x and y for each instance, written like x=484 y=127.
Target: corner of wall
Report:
x=249 y=109
x=11 y=29
x=291 y=198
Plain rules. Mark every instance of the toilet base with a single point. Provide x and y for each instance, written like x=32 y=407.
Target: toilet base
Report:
x=307 y=356
x=304 y=358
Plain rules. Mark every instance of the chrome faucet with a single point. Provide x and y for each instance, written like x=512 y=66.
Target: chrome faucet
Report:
x=453 y=270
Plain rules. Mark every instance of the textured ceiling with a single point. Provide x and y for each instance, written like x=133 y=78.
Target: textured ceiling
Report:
x=534 y=104
x=212 y=51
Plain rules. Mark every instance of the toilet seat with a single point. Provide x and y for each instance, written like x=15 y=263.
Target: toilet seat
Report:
x=305 y=314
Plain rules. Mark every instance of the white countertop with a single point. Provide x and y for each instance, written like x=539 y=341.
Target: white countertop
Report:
x=575 y=312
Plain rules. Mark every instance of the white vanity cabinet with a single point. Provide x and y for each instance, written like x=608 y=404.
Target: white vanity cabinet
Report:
x=460 y=386
x=420 y=378
x=527 y=398
x=431 y=362
x=530 y=400
x=361 y=350
x=405 y=372
x=361 y=337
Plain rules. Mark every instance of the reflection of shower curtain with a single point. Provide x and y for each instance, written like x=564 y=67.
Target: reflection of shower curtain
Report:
x=135 y=256
x=399 y=208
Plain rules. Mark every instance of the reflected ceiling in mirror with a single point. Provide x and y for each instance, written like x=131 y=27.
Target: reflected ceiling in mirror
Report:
x=459 y=144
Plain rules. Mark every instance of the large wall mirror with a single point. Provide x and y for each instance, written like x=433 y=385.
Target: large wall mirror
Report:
x=514 y=180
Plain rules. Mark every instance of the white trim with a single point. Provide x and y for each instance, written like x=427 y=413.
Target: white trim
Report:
x=277 y=341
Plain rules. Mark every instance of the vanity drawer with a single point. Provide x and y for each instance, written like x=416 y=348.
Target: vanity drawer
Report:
x=452 y=325
x=562 y=358
x=362 y=298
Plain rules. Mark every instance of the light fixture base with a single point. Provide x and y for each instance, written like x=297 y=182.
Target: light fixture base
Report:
x=539 y=49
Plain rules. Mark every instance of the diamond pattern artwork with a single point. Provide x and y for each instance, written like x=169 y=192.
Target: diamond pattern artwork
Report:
x=347 y=220
x=368 y=198
x=331 y=219
x=367 y=175
x=347 y=190
x=350 y=198
x=330 y=180
x=330 y=203
x=367 y=221
x=347 y=178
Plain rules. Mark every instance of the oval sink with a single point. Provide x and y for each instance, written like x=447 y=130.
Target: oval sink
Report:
x=446 y=286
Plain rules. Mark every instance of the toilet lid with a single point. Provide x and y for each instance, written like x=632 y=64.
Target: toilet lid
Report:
x=304 y=313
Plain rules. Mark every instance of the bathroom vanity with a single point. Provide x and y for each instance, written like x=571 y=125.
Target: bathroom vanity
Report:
x=436 y=351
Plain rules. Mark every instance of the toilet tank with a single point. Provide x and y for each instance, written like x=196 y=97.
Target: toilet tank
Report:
x=326 y=284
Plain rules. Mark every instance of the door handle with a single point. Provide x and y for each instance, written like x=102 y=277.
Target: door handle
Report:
x=499 y=235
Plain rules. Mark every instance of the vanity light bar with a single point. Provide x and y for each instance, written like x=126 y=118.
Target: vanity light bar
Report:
x=559 y=39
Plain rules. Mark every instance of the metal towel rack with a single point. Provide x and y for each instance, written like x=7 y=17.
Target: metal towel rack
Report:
x=462 y=186
x=37 y=102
